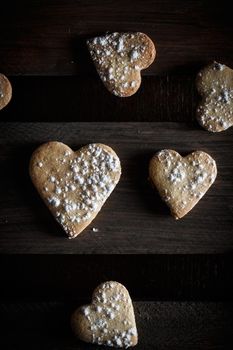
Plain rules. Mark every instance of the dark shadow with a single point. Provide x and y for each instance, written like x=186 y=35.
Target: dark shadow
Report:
x=137 y=172
x=170 y=97
x=80 y=54
x=24 y=193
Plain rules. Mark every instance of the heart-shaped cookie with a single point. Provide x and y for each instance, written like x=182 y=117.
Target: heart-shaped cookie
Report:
x=109 y=319
x=119 y=59
x=215 y=85
x=181 y=182
x=5 y=91
x=74 y=185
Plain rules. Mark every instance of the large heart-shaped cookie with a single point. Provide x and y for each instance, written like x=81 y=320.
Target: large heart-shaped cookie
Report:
x=74 y=185
x=109 y=319
x=215 y=85
x=119 y=59
x=181 y=182
x=5 y=91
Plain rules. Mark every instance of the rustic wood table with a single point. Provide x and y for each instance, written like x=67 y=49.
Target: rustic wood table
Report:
x=179 y=274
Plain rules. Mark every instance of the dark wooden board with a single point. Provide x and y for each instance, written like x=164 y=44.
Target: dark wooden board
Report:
x=161 y=325
x=43 y=51
x=48 y=37
x=172 y=97
x=147 y=276
x=134 y=219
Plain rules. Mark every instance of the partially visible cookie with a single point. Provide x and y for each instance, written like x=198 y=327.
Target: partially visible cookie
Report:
x=74 y=185
x=215 y=85
x=5 y=91
x=182 y=182
x=109 y=319
x=119 y=59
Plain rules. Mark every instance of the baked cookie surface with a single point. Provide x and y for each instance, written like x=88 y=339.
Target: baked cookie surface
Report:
x=109 y=319
x=182 y=181
x=74 y=185
x=119 y=59
x=215 y=86
x=5 y=91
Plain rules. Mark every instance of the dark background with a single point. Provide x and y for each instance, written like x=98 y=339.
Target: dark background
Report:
x=182 y=300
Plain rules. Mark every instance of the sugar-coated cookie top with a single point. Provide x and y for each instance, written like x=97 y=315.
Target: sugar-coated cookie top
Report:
x=109 y=320
x=180 y=181
x=215 y=85
x=75 y=184
x=119 y=57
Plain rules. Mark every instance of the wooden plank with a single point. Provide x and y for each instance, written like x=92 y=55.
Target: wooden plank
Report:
x=48 y=37
x=169 y=98
x=134 y=219
x=161 y=325
x=148 y=276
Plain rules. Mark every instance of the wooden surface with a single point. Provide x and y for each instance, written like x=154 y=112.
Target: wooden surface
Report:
x=147 y=276
x=170 y=98
x=134 y=220
x=43 y=51
x=161 y=325
x=48 y=37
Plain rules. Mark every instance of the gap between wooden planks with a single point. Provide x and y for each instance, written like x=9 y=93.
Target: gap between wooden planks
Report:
x=134 y=220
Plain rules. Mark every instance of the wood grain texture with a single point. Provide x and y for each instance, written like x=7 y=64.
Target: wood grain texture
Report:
x=43 y=50
x=161 y=325
x=169 y=98
x=48 y=37
x=134 y=219
x=147 y=276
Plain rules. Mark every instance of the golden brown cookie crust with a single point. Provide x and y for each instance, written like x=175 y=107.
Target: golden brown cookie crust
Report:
x=215 y=86
x=109 y=319
x=5 y=91
x=182 y=181
x=119 y=59
x=74 y=185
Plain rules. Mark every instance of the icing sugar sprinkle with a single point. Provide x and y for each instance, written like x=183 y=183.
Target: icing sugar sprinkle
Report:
x=218 y=66
x=54 y=201
x=134 y=54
